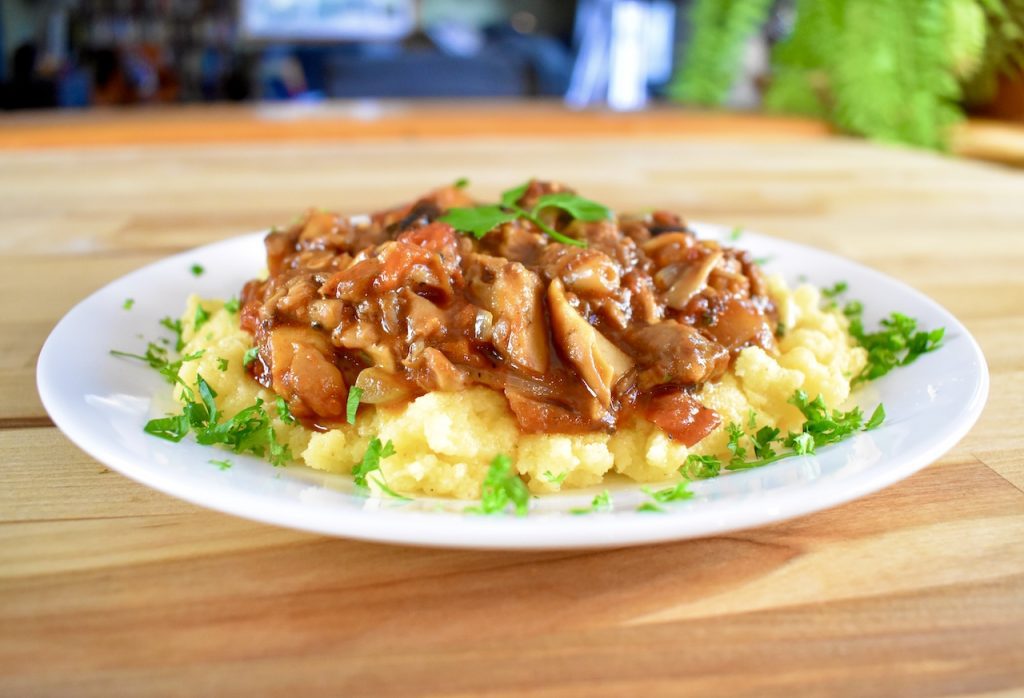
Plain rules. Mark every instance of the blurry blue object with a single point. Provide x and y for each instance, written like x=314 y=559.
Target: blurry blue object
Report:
x=623 y=48
x=74 y=89
x=353 y=20
x=426 y=74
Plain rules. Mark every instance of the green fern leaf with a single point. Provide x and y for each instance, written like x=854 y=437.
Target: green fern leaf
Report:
x=719 y=30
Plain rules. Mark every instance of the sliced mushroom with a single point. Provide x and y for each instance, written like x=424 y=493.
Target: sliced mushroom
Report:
x=513 y=295
x=597 y=361
x=302 y=371
x=691 y=280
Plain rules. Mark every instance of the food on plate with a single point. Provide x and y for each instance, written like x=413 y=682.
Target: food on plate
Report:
x=539 y=344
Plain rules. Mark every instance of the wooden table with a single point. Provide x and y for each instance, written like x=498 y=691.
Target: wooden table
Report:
x=108 y=588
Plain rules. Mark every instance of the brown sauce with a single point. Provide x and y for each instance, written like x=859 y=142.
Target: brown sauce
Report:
x=577 y=339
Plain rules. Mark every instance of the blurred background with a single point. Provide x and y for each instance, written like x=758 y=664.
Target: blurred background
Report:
x=892 y=70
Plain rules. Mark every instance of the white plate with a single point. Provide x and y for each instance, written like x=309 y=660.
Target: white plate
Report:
x=101 y=403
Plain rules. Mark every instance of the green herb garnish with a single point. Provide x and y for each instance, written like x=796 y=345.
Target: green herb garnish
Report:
x=480 y=220
x=555 y=479
x=501 y=487
x=232 y=305
x=375 y=451
x=700 y=467
x=461 y=183
x=197 y=270
x=821 y=427
x=650 y=507
x=283 y=412
x=249 y=431
x=736 y=233
x=600 y=502
x=128 y=303
x=352 y=405
x=223 y=464
x=174 y=325
x=250 y=355
x=222 y=364
x=200 y=319
x=388 y=491
x=158 y=358
x=897 y=343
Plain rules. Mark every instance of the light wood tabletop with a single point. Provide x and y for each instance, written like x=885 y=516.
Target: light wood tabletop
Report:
x=109 y=588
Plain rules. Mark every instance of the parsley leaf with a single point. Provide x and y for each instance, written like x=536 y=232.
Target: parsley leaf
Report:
x=375 y=451
x=128 y=303
x=510 y=197
x=479 y=220
x=897 y=343
x=282 y=411
x=169 y=428
x=201 y=318
x=700 y=467
x=461 y=183
x=600 y=502
x=736 y=233
x=223 y=464
x=821 y=427
x=354 y=395
x=197 y=270
x=576 y=206
x=250 y=355
x=158 y=358
x=555 y=479
x=232 y=305
x=222 y=364
x=650 y=507
x=174 y=325
x=388 y=491
x=678 y=493
x=501 y=487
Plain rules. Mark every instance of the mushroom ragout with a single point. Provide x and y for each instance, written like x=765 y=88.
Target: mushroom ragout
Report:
x=631 y=320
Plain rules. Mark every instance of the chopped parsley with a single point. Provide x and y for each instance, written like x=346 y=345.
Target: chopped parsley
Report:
x=231 y=305
x=821 y=427
x=282 y=411
x=158 y=358
x=375 y=451
x=223 y=464
x=836 y=289
x=736 y=233
x=201 y=318
x=555 y=479
x=128 y=303
x=898 y=343
x=222 y=364
x=700 y=467
x=650 y=507
x=480 y=220
x=197 y=270
x=352 y=405
x=249 y=431
x=461 y=183
x=387 y=490
x=600 y=502
x=250 y=355
x=174 y=325
x=502 y=487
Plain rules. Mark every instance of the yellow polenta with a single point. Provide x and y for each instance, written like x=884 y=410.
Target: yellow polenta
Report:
x=444 y=442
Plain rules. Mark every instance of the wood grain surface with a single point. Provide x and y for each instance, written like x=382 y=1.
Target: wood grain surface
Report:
x=108 y=588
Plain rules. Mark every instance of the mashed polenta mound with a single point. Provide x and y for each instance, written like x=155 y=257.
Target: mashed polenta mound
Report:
x=445 y=441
